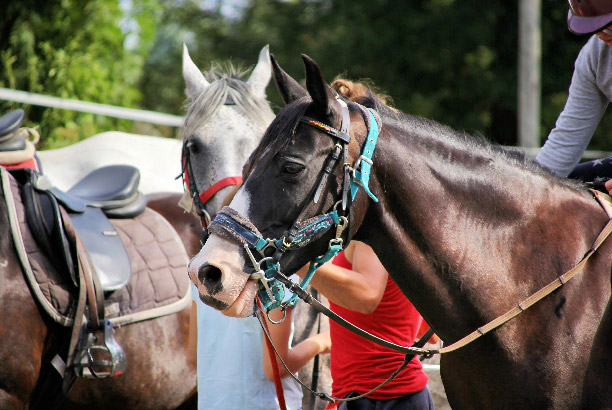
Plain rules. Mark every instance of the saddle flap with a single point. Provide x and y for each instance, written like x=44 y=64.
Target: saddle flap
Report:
x=44 y=219
x=105 y=248
x=15 y=143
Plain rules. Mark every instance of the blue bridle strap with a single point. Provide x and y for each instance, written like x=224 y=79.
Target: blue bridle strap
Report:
x=227 y=224
x=363 y=165
x=230 y=224
x=314 y=265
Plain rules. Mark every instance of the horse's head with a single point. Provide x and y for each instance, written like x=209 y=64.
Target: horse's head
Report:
x=225 y=120
x=286 y=189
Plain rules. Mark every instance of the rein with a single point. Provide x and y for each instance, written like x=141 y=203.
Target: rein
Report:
x=237 y=228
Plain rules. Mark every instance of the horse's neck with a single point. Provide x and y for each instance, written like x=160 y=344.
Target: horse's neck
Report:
x=462 y=232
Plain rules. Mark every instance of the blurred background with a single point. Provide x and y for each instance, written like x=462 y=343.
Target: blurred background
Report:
x=454 y=61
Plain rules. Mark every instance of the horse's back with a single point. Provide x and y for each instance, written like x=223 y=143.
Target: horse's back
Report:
x=157 y=158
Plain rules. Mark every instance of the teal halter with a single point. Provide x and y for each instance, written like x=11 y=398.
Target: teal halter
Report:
x=235 y=226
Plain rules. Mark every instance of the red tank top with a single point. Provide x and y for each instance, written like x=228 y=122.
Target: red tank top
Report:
x=360 y=365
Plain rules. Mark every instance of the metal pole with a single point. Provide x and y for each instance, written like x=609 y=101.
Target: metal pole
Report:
x=530 y=62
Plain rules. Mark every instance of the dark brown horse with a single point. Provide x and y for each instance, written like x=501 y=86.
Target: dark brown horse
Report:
x=466 y=229
x=161 y=373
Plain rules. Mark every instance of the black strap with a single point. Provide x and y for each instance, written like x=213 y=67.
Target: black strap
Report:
x=410 y=352
x=306 y=297
x=407 y=358
x=343 y=136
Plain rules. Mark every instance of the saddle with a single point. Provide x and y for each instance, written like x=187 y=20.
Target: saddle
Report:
x=16 y=151
x=106 y=192
x=9 y=139
x=94 y=257
x=50 y=230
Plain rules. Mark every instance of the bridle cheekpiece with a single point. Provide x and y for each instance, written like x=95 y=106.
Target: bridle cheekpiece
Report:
x=230 y=224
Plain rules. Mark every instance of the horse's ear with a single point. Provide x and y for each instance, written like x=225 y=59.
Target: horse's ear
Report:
x=195 y=82
x=323 y=96
x=260 y=77
x=287 y=87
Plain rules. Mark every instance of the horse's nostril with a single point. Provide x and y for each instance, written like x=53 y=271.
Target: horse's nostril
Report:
x=210 y=276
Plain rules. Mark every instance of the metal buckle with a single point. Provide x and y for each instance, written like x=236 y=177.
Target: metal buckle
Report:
x=270 y=244
x=357 y=166
x=340 y=227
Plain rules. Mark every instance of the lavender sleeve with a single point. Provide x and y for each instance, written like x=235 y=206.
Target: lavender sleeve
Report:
x=589 y=94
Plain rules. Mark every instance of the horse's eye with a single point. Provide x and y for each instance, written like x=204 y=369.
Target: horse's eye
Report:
x=292 y=169
x=194 y=146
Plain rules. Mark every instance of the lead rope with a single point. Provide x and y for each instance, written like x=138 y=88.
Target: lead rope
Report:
x=278 y=384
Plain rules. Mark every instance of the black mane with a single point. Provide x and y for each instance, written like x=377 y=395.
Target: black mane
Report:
x=430 y=129
x=411 y=126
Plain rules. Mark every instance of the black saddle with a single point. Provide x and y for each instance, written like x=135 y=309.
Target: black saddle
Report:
x=106 y=192
x=10 y=140
x=113 y=189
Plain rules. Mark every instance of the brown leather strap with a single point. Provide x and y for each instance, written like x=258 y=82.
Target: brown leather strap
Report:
x=89 y=279
x=531 y=300
x=495 y=323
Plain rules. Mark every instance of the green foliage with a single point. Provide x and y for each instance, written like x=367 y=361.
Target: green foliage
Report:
x=448 y=60
x=69 y=49
x=452 y=61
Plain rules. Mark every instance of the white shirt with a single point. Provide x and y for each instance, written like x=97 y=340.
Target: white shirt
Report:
x=230 y=364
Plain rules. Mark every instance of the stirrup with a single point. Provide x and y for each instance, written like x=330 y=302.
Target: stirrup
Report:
x=97 y=361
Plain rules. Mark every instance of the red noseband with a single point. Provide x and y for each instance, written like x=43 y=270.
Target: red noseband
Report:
x=218 y=186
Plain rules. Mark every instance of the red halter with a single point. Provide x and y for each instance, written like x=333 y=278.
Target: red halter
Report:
x=218 y=186
x=205 y=196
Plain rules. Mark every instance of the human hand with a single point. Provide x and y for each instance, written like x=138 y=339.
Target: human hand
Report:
x=608 y=186
x=323 y=339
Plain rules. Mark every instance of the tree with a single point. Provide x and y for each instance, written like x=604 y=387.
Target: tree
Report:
x=451 y=61
x=70 y=49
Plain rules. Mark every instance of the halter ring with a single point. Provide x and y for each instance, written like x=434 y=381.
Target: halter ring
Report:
x=280 y=320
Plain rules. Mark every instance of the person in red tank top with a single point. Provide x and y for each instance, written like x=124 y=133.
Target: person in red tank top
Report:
x=360 y=290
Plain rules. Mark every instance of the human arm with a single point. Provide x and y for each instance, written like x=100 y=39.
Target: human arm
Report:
x=359 y=289
x=296 y=357
x=583 y=110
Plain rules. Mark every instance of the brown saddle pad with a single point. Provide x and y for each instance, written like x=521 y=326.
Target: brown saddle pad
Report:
x=159 y=284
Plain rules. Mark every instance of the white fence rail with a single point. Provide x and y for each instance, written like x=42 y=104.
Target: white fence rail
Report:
x=151 y=117
x=158 y=118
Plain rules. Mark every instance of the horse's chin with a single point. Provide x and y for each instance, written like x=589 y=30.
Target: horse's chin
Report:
x=243 y=305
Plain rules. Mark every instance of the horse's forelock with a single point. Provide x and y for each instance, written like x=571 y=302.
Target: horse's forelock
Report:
x=279 y=133
x=226 y=84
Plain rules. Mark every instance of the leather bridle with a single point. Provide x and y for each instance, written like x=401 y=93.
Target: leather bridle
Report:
x=238 y=228
x=200 y=199
x=230 y=224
